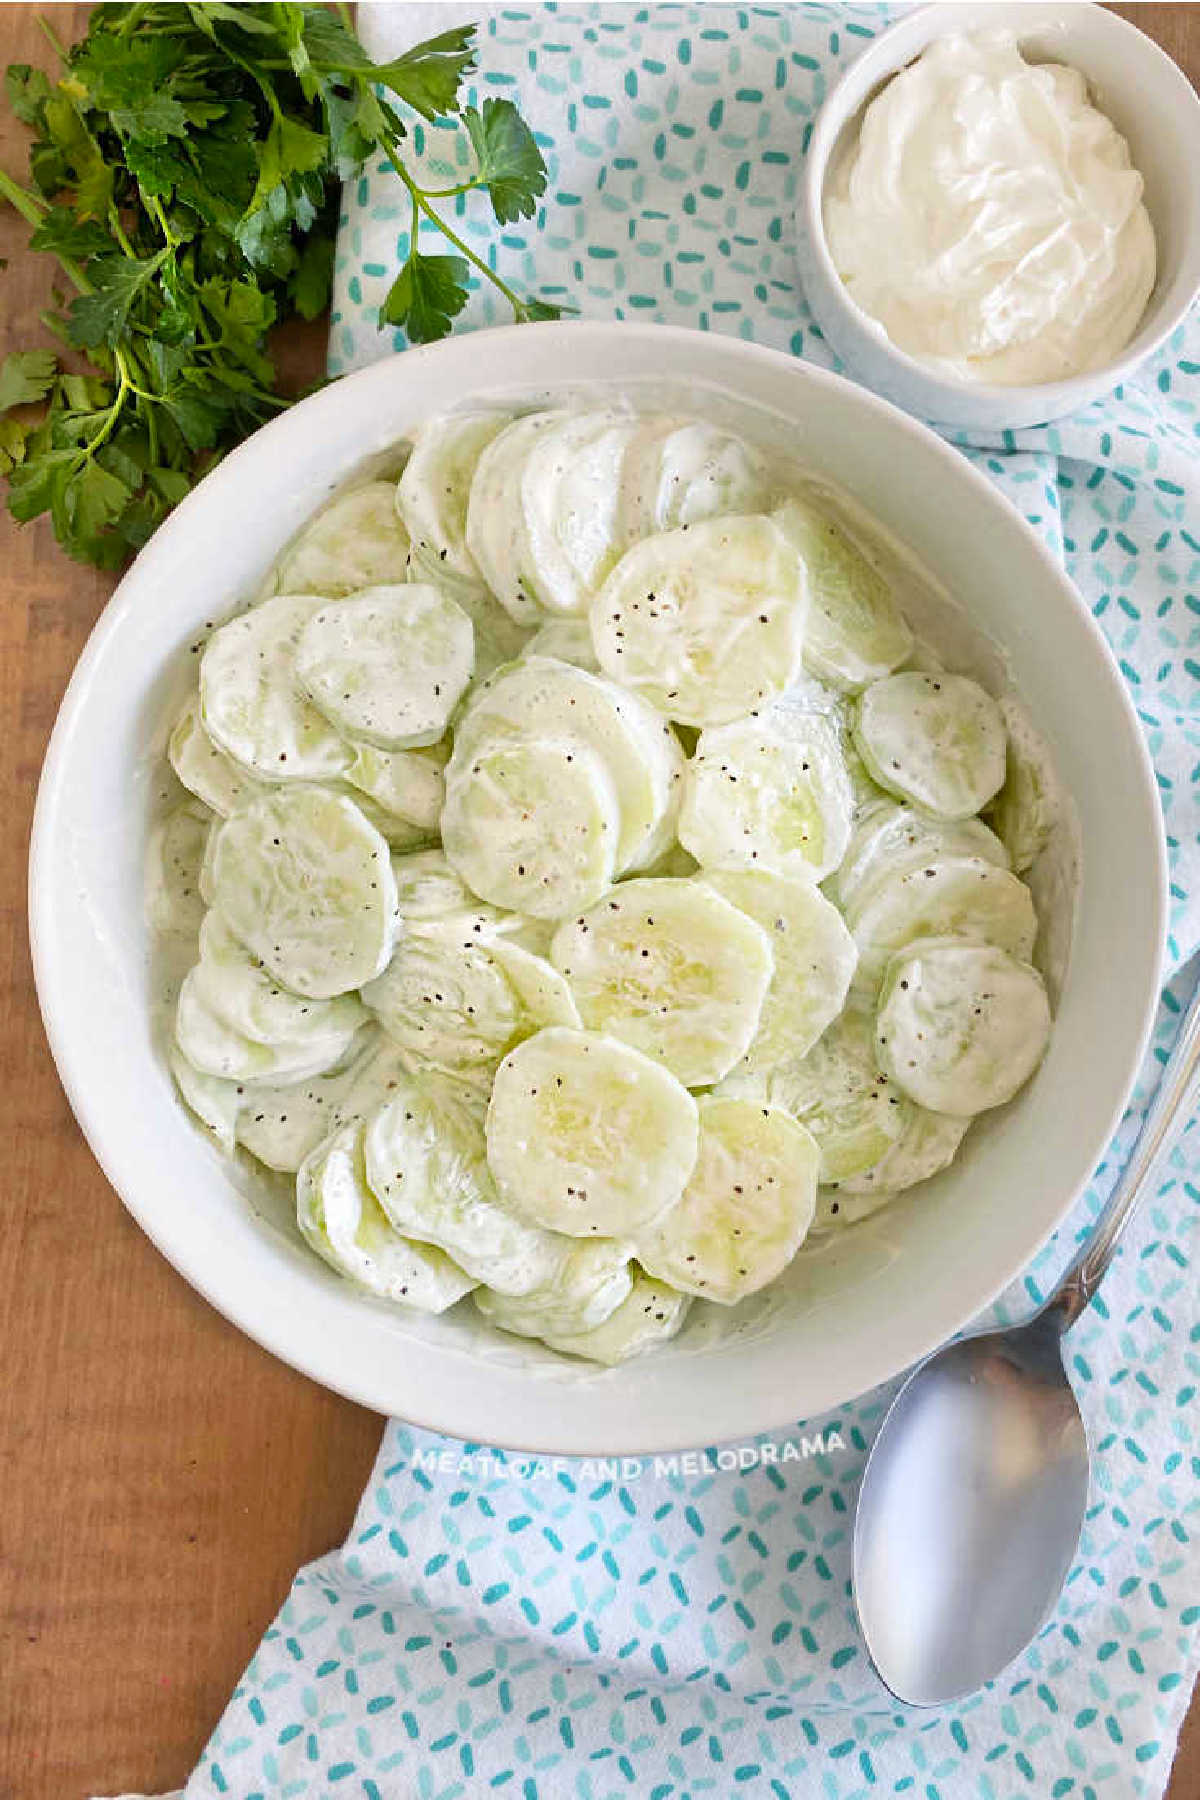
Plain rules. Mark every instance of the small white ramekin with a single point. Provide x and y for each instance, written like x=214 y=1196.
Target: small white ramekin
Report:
x=1155 y=109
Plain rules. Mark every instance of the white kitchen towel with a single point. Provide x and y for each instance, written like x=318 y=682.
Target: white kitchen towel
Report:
x=551 y=1630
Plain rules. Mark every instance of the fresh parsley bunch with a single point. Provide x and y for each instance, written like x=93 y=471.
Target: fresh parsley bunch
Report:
x=184 y=171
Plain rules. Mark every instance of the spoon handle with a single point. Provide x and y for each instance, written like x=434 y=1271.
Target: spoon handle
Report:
x=1177 y=1093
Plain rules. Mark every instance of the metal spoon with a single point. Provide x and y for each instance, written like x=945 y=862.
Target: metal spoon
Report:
x=973 y=1496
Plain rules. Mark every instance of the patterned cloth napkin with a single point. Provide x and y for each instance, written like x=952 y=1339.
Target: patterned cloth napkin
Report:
x=569 y=1629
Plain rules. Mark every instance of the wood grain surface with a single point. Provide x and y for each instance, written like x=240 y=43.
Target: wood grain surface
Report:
x=162 y=1477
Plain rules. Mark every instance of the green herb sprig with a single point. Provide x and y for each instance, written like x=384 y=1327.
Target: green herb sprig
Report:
x=184 y=171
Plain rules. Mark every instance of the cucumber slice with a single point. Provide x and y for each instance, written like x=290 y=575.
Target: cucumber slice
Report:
x=934 y=739
x=532 y=826
x=926 y=1146
x=205 y=878
x=889 y=839
x=1026 y=810
x=570 y=486
x=250 y=703
x=566 y=640
x=587 y=1136
x=205 y=769
x=175 y=855
x=426 y=1163
x=837 y=1209
x=856 y=633
x=388 y=665
x=705 y=622
x=746 y=1208
x=589 y=1284
x=427 y=888
x=400 y=791
x=306 y=883
x=948 y=896
x=214 y=1048
x=673 y=969
x=235 y=986
x=961 y=1027
x=683 y=472
x=498 y=637
x=281 y=1125
x=555 y=700
x=651 y=1315
x=455 y=1000
x=815 y=957
x=838 y=1091
x=496 y=536
x=355 y=542
x=214 y=1102
x=867 y=793
x=433 y=490
x=406 y=783
x=342 y=1221
x=543 y=993
x=400 y=834
x=769 y=792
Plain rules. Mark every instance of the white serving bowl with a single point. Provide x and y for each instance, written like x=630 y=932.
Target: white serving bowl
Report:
x=1153 y=106
x=877 y=1297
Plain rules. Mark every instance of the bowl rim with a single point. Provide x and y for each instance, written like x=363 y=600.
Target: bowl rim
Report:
x=939 y=390
x=238 y=1298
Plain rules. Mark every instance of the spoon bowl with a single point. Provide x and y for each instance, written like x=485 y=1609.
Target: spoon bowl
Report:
x=970 y=1513
x=974 y=1493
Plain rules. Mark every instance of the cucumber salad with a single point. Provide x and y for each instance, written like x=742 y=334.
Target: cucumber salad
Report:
x=590 y=887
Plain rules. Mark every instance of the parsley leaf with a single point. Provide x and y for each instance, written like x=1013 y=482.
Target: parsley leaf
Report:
x=77 y=154
x=291 y=149
x=429 y=76
x=27 y=89
x=12 y=445
x=25 y=376
x=535 y=312
x=101 y=316
x=308 y=287
x=66 y=235
x=132 y=81
x=510 y=163
x=38 y=484
x=184 y=167
x=426 y=295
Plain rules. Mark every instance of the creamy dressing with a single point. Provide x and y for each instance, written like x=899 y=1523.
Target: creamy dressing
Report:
x=945 y=630
x=987 y=216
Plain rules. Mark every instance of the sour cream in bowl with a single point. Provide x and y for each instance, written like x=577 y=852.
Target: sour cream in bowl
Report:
x=1000 y=212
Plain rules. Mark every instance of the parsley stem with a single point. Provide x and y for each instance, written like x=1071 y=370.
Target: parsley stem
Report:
x=54 y=324
x=115 y=410
x=52 y=38
x=118 y=231
x=451 y=193
x=155 y=207
x=414 y=230
x=421 y=201
x=33 y=210
x=130 y=23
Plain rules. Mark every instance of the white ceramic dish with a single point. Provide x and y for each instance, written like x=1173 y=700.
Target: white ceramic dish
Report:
x=876 y=1298
x=1152 y=104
